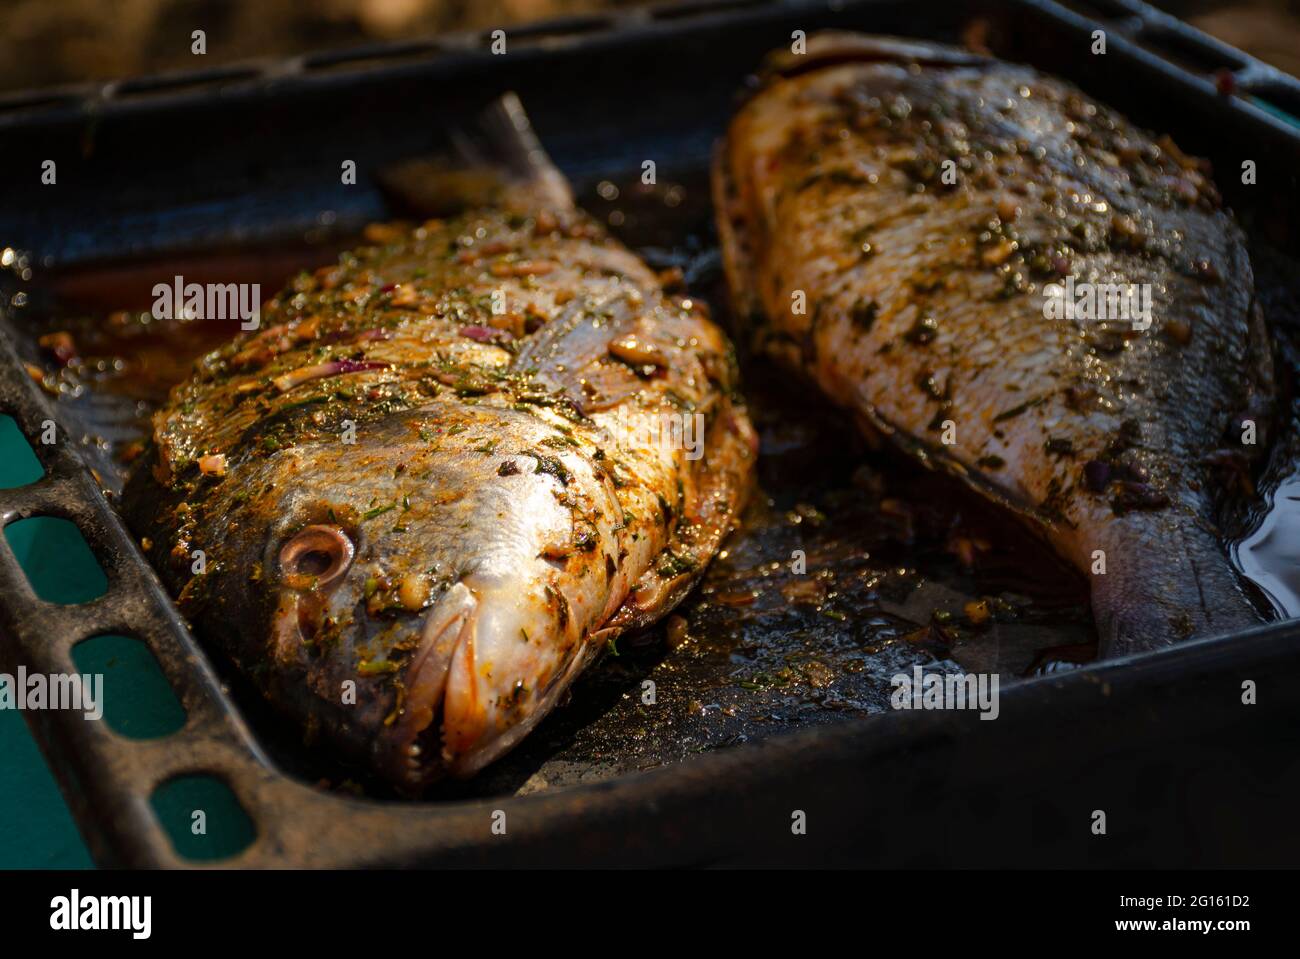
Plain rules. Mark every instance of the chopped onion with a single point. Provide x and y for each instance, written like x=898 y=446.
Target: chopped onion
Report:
x=306 y=374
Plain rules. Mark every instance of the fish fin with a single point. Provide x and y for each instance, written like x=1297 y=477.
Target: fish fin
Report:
x=737 y=259
x=1263 y=384
x=730 y=440
x=1165 y=582
x=570 y=341
x=935 y=456
x=1169 y=578
x=495 y=161
x=503 y=139
x=571 y=353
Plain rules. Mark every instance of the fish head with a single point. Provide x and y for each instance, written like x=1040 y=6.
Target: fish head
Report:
x=427 y=585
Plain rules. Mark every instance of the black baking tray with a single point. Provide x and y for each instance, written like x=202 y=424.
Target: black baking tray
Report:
x=247 y=157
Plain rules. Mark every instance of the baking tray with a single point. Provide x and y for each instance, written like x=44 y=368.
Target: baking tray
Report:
x=235 y=159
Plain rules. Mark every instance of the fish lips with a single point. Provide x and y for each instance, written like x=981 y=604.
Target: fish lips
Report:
x=409 y=751
x=439 y=731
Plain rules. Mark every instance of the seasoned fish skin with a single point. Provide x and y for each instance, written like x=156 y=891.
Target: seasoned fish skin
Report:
x=925 y=304
x=419 y=492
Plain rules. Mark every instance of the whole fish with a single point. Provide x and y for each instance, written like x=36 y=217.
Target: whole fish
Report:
x=1018 y=286
x=446 y=472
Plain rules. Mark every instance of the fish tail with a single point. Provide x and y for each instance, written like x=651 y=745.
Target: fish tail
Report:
x=497 y=160
x=1162 y=583
x=828 y=48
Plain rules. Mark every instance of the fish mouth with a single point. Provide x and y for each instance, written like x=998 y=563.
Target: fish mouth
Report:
x=487 y=747
x=443 y=727
x=411 y=750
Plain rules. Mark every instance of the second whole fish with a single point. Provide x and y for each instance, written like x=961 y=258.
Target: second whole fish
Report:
x=912 y=228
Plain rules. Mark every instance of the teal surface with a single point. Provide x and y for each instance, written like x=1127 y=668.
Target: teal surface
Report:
x=18 y=464
x=222 y=830
x=58 y=563
x=36 y=828
x=138 y=700
x=1264 y=104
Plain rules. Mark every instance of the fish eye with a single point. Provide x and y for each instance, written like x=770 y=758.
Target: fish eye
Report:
x=316 y=556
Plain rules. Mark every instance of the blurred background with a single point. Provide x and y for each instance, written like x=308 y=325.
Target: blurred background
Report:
x=50 y=42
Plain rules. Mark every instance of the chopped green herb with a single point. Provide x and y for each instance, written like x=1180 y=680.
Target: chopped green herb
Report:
x=377 y=667
x=1017 y=410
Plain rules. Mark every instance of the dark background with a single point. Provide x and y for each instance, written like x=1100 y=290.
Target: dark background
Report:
x=51 y=42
